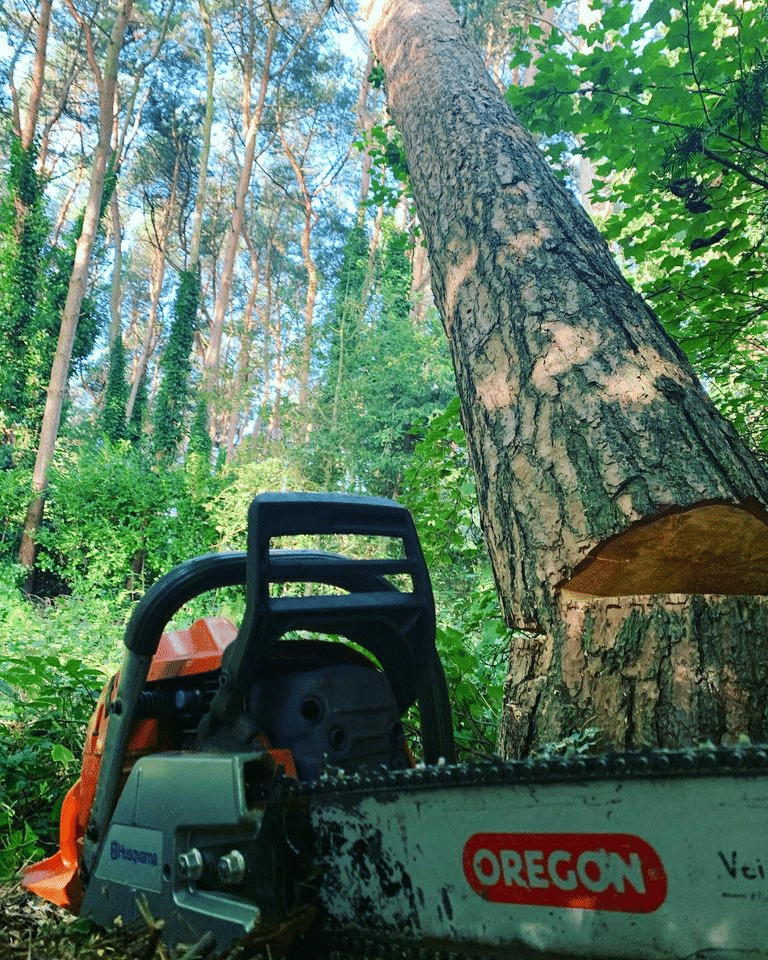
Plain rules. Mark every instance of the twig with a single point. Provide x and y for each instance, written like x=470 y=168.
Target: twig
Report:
x=202 y=948
x=154 y=926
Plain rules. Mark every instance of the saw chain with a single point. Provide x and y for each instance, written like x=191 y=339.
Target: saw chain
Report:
x=703 y=761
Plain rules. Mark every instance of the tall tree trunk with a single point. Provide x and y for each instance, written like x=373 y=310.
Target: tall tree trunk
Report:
x=76 y=291
x=252 y=118
x=240 y=400
x=252 y=123
x=29 y=130
x=205 y=148
x=365 y=122
x=603 y=469
x=310 y=298
x=421 y=297
x=269 y=369
x=151 y=336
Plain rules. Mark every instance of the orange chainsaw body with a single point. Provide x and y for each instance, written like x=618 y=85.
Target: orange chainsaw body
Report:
x=332 y=651
x=181 y=653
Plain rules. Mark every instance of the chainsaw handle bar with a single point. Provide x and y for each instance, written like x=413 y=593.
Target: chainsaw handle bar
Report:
x=275 y=515
x=212 y=571
x=396 y=626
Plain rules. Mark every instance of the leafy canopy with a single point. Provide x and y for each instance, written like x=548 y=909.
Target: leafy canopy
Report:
x=670 y=110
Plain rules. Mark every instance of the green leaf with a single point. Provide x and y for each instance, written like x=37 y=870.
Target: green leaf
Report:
x=61 y=754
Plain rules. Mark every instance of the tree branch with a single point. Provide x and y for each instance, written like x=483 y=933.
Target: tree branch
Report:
x=730 y=165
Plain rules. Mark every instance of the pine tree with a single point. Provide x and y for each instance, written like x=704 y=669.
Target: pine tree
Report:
x=608 y=484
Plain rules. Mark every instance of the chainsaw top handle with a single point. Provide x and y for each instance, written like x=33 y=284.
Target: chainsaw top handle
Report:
x=182 y=584
x=396 y=626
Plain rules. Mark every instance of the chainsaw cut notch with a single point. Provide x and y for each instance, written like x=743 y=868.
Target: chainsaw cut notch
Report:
x=710 y=548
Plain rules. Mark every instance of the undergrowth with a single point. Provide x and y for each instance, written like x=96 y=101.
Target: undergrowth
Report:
x=54 y=661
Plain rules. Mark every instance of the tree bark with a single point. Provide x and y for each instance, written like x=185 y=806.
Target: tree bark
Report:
x=29 y=130
x=205 y=149
x=594 y=446
x=641 y=671
x=77 y=284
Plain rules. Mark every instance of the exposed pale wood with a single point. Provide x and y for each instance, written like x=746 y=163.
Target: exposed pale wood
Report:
x=713 y=548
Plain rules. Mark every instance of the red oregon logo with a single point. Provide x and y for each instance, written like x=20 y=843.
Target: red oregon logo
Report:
x=590 y=871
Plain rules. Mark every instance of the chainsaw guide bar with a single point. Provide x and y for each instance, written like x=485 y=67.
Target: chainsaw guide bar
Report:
x=397 y=882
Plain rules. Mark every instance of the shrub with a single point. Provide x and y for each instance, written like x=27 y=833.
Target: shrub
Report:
x=45 y=704
x=114 y=523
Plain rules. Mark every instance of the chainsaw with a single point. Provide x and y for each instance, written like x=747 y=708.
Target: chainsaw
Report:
x=256 y=786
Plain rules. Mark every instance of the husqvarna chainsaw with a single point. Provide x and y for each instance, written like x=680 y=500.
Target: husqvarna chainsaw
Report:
x=255 y=784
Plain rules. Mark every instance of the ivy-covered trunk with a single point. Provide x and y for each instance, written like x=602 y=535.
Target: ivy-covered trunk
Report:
x=23 y=327
x=176 y=364
x=77 y=286
x=603 y=469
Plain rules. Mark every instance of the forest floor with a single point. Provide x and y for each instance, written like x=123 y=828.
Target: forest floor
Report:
x=33 y=929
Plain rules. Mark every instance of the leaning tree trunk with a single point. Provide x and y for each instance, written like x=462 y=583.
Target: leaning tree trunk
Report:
x=611 y=491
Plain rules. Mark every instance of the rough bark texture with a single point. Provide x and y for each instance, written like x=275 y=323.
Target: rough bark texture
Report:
x=582 y=417
x=643 y=671
x=35 y=94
